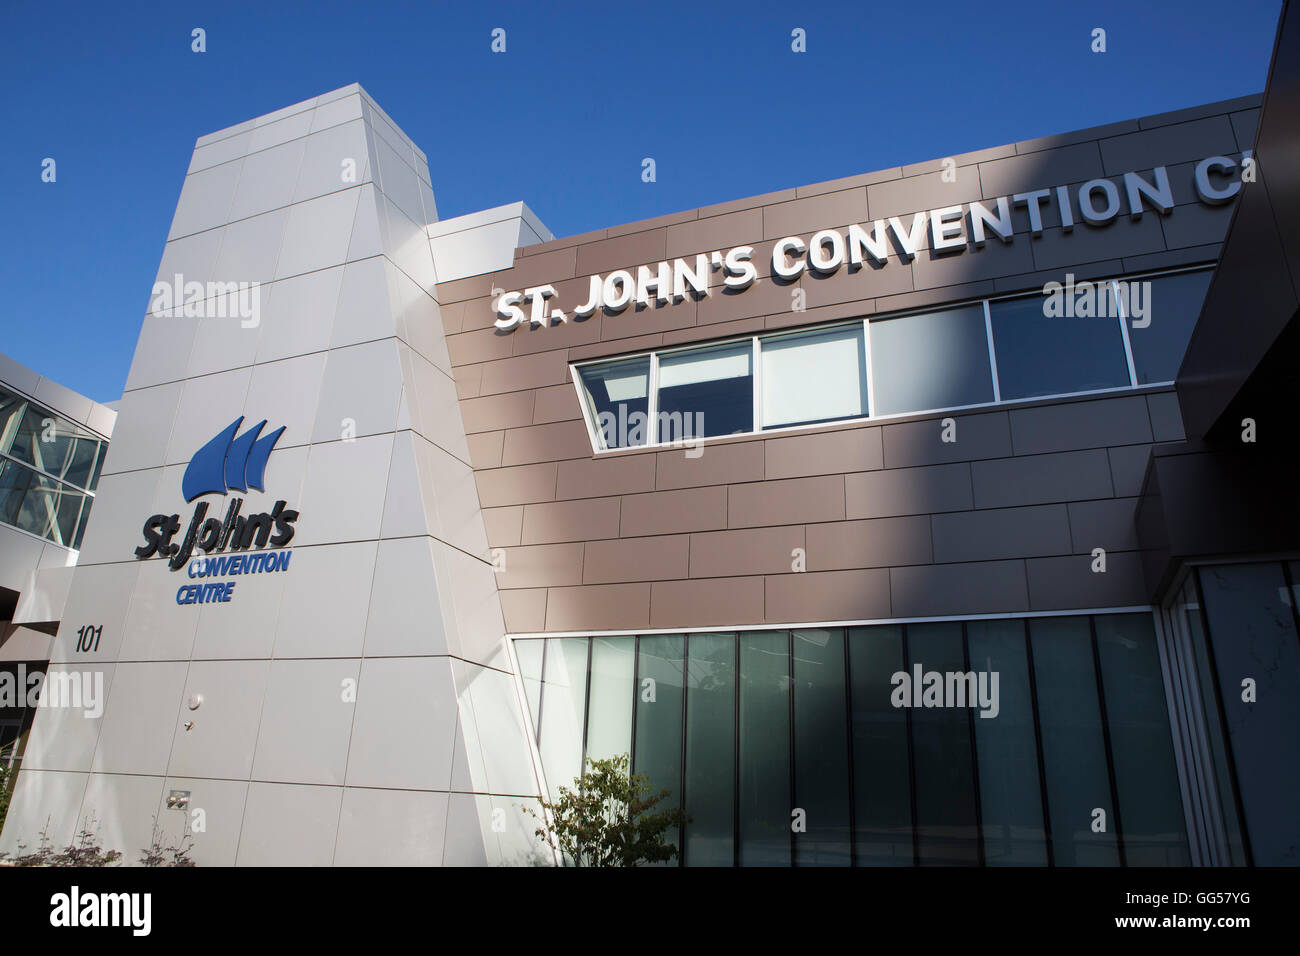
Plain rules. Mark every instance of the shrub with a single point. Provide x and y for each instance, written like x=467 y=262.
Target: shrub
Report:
x=609 y=818
x=84 y=850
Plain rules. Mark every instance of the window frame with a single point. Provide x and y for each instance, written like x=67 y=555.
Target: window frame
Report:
x=1034 y=786
x=589 y=413
x=1121 y=317
x=946 y=307
x=597 y=442
x=810 y=331
x=78 y=431
x=86 y=499
x=1210 y=270
x=720 y=345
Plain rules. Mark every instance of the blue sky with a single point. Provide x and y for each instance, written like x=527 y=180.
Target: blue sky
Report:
x=562 y=120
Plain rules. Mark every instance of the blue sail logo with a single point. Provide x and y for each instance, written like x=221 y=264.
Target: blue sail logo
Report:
x=230 y=462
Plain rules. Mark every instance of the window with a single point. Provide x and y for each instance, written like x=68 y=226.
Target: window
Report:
x=57 y=447
x=1074 y=749
x=530 y=672
x=882 y=778
x=942 y=742
x=1162 y=313
x=48 y=466
x=618 y=398
x=764 y=739
x=821 y=747
x=931 y=360
x=609 y=704
x=11 y=416
x=16 y=719
x=814 y=377
x=947 y=823
x=744 y=729
x=41 y=505
x=560 y=722
x=1215 y=811
x=37 y=504
x=1040 y=354
x=658 y=736
x=1146 y=776
x=1250 y=614
x=1010 y=799
x=1132 y=332
x=706 y=392
x=710 y=749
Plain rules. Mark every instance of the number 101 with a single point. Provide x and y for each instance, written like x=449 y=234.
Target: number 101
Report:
x=88 y=637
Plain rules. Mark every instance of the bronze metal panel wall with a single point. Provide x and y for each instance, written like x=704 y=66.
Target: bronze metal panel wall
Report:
x=890 y=520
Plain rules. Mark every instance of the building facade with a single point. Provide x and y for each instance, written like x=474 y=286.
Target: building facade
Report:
x=823 y=506
x=744 y=533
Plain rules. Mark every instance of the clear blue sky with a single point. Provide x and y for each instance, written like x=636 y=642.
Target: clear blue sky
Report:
x=561 y=121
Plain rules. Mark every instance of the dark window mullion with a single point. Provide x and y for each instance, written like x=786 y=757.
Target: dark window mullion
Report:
x=735 y=770
x=1223 y=720
x=974 y=752
x=1290 y=595
x=1038 y=744
x=636 y=700
x=586 y=712
x=911 y=755
x=681 y=796
x=794 y=799
x=848 y=721
x=541 y=696
x=1105 y=737
x=1181 y=724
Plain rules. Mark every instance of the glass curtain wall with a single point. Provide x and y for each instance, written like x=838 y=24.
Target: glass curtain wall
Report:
x=1041 y=741
x=49 y=467
x=1249 y=670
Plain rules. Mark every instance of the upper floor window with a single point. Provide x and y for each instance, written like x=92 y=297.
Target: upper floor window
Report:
x=931 y=360
x=813 y=376
x=618 y=401
x=706 y=392
x=1073 y=339
x=49 y=468
x=1163 y=313
x=1044 y=354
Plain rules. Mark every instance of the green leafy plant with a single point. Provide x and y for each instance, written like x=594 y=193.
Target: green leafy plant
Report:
x=609 y=818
